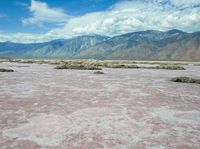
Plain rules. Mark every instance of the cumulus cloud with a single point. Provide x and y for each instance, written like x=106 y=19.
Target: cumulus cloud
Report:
x=133 y=16
x=123 y=17
x=42 y=13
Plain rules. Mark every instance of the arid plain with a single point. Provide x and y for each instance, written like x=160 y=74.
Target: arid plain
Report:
x=43 y=107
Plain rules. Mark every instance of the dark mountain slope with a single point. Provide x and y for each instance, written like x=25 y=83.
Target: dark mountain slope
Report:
x=171 y=45
x=56 y=48
x=145 y=45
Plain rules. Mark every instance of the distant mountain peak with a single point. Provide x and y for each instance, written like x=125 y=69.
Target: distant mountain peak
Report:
x=150 y=31
x=150 y=44
x=91 y=35
x=174 y=31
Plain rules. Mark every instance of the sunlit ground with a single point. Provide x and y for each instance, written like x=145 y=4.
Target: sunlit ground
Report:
x=120 y=109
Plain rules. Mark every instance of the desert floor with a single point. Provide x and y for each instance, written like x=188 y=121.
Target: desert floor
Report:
x=41 y=107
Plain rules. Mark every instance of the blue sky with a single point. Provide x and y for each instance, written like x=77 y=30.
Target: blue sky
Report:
x=44 y=20
x=12 y=12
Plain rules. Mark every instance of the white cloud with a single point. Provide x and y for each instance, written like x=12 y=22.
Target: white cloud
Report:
x=41 y=13
x=132 y=16
x=126 y=16
x=185 y=3
x=23 y=37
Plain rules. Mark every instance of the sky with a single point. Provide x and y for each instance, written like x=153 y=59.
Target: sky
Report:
x=29 y=21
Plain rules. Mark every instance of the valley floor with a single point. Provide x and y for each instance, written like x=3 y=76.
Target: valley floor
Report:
x=41 y=107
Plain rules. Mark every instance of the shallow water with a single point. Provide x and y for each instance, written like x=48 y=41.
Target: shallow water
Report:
x=41 y=107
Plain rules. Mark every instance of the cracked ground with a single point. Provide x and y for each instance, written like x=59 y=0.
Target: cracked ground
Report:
x=41 y=107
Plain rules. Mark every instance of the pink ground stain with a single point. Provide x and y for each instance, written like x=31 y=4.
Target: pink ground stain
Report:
x=41 y=107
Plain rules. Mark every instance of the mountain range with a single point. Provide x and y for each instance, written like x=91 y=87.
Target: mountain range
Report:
x=145 y=45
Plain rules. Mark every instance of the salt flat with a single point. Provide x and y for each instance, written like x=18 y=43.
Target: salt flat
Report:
x=41 y=107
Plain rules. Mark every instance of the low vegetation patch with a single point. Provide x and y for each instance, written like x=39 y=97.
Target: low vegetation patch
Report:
x=77 y=66
x=196 y=64
x=98 y=64
x=162 y=63
x=98 y=72
x=115 y=64
x=121 y=66
x=32 y=61
x=94 y=64
x=170 y=67
x=186 y=80
x=28 y=61
x=6 y=70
